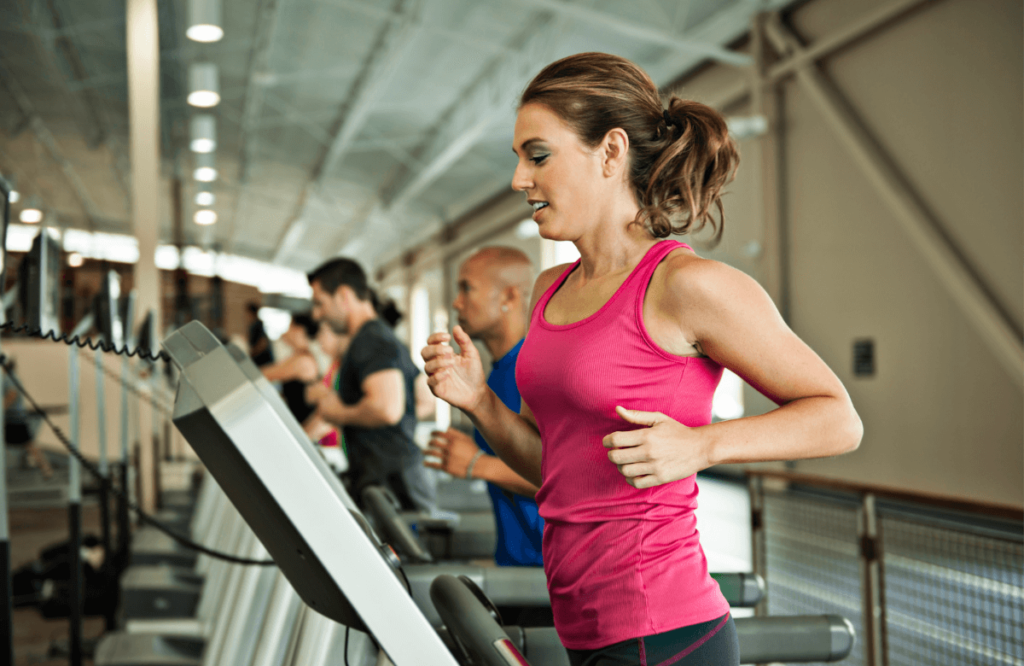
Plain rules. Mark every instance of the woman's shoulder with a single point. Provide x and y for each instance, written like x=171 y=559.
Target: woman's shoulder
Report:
x=544 y=281
x=688 y=280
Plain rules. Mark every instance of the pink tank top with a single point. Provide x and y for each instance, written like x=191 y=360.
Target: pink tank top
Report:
x=331 y=438
x=620 y=562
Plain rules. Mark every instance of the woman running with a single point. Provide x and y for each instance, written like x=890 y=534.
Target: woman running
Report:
x=625 y=349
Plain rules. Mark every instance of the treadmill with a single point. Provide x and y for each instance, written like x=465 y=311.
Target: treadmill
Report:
x=285 y=491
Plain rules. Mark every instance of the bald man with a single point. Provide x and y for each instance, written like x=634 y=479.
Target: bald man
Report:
x=493 y=304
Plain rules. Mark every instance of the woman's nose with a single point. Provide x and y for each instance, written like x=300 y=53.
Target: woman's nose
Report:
x=520 y=179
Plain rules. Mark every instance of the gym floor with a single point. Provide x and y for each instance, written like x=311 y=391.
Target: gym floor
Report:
x=31 y=531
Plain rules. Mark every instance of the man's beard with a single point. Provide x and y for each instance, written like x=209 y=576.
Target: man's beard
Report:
x=339 y=327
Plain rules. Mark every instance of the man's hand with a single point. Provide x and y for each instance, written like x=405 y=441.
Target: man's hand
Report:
x=664 y=451
x=458 y=379
x=453 y=450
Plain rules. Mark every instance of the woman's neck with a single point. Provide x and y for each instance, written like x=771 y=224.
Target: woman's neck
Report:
x=614 y=246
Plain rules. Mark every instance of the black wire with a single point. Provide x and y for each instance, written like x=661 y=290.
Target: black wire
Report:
x=346 y=644
x=145 y=354
x=105 y=481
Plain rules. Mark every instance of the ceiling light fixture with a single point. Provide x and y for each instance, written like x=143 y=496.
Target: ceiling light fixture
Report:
x=205 y=171
x=32 y=213
x=31 y=216
x=203 y=85
x=75 y=260
x=205 y=217
x=203 y=130
x=204 y=21
x=204 y=197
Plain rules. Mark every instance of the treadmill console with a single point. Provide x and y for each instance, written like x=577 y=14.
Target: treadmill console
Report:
x=273 y=474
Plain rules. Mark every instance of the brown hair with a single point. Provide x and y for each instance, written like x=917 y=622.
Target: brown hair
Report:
x=680 y=158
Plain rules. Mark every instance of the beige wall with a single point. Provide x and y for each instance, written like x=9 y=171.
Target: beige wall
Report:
x=941 y=91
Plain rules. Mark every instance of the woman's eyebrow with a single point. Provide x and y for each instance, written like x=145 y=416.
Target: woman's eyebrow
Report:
x=526 y=144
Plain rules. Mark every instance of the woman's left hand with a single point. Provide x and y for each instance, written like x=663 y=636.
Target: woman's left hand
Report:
x=664 y=451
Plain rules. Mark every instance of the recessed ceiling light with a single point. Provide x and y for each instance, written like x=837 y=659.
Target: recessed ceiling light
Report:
x=204 y=21
x=205 y=217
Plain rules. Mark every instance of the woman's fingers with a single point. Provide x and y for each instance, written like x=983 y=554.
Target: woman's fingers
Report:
x=625 y=438
x=636 y=469
x=629 y=455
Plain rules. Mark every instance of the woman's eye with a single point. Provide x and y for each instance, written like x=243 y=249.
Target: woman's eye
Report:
x=538 y=159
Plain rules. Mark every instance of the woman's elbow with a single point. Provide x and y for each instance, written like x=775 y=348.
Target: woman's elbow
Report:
x=853 y=430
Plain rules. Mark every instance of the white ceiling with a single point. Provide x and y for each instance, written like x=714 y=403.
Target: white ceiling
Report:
x=346 y=126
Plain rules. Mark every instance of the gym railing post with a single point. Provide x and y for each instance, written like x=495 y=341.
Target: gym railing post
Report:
x=134 y=471
x=104 y=469
x=871 y=581
x=154 y=381
x=757 y=535
x=74 y=520
x=6 y=592
x=123 y=534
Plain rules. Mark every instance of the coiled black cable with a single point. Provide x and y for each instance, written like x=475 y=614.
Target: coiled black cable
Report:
x=5 y=363
x=83 y=342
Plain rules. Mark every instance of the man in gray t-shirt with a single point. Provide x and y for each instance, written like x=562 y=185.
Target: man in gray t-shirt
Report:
x=375 y=404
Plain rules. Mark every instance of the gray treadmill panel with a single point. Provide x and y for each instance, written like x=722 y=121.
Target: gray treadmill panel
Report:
x=284 y=490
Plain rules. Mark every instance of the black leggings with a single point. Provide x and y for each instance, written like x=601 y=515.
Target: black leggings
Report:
x=711 y=643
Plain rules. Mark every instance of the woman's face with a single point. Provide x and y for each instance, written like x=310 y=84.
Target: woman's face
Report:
x=562 y=177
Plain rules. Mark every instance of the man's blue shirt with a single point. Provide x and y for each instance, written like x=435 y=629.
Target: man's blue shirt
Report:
x=520 y=527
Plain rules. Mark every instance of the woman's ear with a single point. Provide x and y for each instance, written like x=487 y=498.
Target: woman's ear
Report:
x=615 y=152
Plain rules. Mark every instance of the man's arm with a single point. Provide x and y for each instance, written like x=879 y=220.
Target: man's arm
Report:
x=454 y=450
x=426 y=403
x=382 y=404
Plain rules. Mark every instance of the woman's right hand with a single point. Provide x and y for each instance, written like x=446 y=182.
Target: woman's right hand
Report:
x=458 y=379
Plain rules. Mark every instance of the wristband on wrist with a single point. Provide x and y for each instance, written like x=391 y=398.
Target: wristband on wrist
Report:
x=472 y=463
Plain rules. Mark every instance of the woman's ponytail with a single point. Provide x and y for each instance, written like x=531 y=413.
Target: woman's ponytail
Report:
x=685 y=179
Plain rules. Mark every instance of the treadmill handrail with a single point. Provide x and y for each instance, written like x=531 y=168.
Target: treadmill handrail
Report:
x=470 y=623
x=395 y=530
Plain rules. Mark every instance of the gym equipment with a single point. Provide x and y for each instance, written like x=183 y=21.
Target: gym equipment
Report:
x=273 y=474
x=505 y=586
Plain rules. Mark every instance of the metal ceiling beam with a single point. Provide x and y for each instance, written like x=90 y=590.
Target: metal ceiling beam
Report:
x=491 y=95
x=852 y=32
x=45 y=137
x=645 y=33
x=388 y=51
x=296 y=118
x=267 y=13
x=955 y=274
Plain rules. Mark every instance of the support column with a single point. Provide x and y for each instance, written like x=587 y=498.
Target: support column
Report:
x=143 y=44
x=765 y=101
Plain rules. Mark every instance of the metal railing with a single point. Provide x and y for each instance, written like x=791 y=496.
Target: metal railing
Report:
x=925 y=579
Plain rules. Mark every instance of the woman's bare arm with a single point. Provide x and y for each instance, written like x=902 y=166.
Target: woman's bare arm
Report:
x=736 y=324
